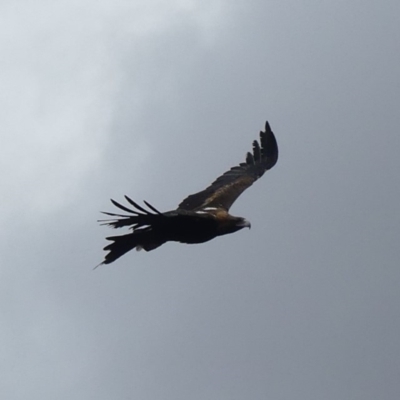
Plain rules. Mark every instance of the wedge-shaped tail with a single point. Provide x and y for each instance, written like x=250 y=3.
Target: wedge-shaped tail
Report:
x=141 y=221
x=140 y=238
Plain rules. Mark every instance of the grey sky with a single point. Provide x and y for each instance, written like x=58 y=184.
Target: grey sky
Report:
x=106 y=98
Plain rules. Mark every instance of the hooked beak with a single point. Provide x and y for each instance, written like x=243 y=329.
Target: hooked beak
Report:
x=245 y=224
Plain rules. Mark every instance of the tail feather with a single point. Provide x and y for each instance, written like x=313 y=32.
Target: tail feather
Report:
x=141 y=221
x=120 y=245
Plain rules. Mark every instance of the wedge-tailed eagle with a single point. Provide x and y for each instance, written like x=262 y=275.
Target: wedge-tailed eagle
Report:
x=201 y=216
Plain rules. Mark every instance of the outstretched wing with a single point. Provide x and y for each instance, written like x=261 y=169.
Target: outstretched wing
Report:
x=228 y=187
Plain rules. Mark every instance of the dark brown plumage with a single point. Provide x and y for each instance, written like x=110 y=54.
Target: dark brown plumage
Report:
x=201 y=216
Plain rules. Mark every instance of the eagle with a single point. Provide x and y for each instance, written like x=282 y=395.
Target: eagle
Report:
x=200 y=217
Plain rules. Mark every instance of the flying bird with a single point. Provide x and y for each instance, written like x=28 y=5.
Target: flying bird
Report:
x=200 y=217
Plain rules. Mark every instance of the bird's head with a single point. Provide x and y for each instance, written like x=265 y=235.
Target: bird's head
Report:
x=243 y=223
x=230 y=224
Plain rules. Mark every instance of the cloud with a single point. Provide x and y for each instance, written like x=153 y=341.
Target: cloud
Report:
x=154 y=99
x=62 y=73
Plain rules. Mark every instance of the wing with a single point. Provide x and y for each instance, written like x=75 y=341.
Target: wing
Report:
x=228 y=187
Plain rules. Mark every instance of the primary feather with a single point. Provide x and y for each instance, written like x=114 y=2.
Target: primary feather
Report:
x=230 y=185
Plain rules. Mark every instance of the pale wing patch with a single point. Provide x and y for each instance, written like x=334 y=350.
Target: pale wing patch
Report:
x=228 y=193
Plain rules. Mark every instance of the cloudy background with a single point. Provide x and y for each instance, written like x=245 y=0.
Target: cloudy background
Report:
x=154 y=99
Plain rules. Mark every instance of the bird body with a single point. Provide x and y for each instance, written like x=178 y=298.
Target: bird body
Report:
x=200 y=217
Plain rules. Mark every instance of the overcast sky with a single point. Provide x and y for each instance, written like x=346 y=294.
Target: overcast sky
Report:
x=155 y=99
